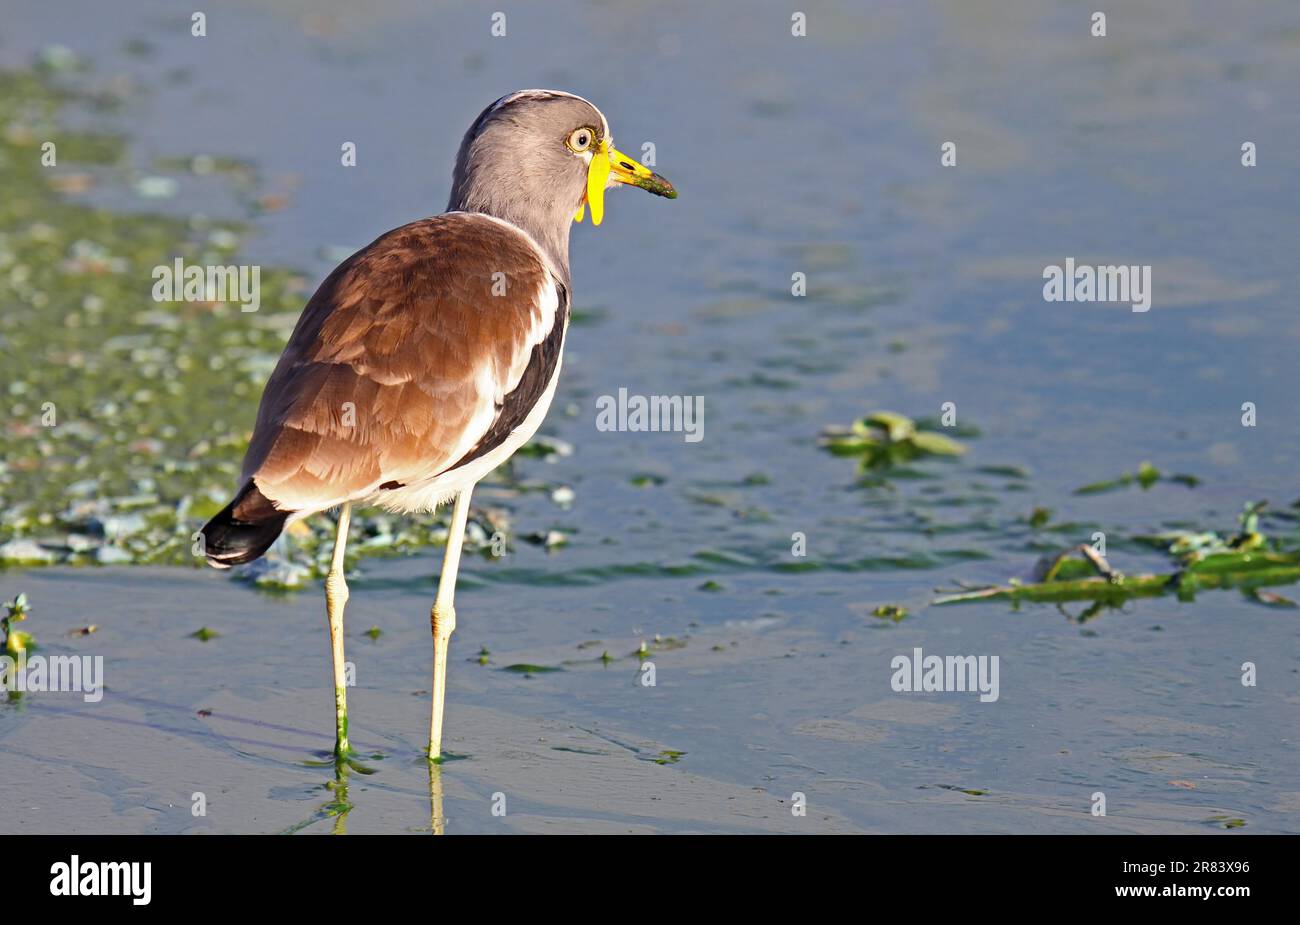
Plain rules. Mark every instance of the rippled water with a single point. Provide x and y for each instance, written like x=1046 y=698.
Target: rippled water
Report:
x=816 y=155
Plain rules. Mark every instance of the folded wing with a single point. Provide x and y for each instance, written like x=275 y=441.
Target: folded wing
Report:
x=404 y=362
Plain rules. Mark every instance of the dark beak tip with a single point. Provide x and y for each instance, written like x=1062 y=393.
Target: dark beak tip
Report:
x=659 y=186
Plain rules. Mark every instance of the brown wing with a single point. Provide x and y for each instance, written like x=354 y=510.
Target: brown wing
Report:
x=401 y=361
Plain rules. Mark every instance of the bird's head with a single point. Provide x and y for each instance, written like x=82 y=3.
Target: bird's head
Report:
x=539 y=158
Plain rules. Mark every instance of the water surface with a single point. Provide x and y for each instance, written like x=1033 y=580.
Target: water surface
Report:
x=817 y=155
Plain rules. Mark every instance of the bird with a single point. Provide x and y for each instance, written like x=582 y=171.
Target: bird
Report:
x=428 y=357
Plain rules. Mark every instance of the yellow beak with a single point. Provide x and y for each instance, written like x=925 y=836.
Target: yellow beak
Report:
x=611 y=164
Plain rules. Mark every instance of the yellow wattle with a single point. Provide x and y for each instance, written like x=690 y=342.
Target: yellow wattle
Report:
x=597 y=176
x=582 y=210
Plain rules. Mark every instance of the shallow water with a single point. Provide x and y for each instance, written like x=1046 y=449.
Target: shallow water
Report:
x=816 y=155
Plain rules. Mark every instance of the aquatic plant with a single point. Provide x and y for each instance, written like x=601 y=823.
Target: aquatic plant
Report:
x=1202 y=561
x=16 y=641
x=1146 y=476
x=884 y=439
x=892 y=612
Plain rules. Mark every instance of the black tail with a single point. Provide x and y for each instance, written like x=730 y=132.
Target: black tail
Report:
x=244 y=529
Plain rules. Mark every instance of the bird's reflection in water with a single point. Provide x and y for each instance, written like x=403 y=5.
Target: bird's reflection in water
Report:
x=336 y=808
x=339 y=804
x=437 y=821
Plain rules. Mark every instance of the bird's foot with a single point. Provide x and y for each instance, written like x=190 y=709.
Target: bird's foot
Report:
x=344 y=756
x=444 y=756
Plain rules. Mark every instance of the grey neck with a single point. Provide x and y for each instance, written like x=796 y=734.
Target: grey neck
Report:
x=550 y=231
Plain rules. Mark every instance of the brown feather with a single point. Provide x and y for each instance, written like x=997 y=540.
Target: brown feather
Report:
x=408 y=331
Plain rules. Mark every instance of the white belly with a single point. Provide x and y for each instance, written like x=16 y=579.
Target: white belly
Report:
x=428 y=494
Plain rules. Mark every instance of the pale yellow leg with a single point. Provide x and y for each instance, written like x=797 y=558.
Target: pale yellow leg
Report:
x=336 y=597
x=443 y=617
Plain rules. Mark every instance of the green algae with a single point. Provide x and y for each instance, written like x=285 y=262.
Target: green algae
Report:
x=1146 y=476
x=16 y=641
x=128 y=419
x=1226 y=822
x=1202 y=561
x=892 y=612
x=884 y=439
x=528 y=670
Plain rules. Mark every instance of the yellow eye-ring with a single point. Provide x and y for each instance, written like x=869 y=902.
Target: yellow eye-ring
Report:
x=581 y=139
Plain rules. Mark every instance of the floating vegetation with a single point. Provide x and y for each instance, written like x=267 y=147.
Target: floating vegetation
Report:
x=1146 y=476
x=1039 y=517
x=16 y=642
x=969 y=791
x=1269 y=599
x=665 y=643
x=551 y=539
x=203 y=634
x=1188 y=544
x=528 y=670
x=115 y=446
x=964 y=431
x=1226 y=822
x=1202 y=561
x=884 y=439
x=548 y=448
x=1005 y=471
x=891 y=612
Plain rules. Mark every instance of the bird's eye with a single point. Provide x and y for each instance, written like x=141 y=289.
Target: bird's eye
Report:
x=580 y=139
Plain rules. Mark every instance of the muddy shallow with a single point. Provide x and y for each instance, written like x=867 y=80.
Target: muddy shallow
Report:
x=772 y=676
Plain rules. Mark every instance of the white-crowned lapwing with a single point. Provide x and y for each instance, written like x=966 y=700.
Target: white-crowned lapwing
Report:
x=427 y=358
